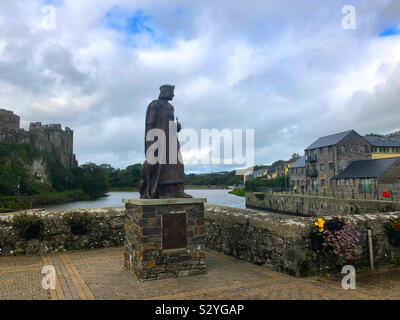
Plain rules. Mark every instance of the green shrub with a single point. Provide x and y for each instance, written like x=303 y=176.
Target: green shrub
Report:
x=260 y=196
x=79 y=223
x=28 y=226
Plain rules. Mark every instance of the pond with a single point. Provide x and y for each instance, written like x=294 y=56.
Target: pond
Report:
x=114 y=199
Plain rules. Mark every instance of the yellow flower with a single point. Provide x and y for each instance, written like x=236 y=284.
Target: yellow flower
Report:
x=321 y=222
x=321 y=229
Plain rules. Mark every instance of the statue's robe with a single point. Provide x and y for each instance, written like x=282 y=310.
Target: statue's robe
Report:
x=159 y=114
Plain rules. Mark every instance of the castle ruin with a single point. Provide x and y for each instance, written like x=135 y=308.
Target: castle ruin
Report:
x=49 y=138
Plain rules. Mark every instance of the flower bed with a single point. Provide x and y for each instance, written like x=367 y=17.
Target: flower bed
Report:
x=393 y=229
x=337 y=236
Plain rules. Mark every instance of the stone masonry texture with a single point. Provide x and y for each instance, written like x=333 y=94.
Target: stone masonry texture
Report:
x=317 y=206
x=274 y=241
x=144 y=254
x=50 y=138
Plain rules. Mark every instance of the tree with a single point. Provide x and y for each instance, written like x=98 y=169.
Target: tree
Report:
x=294 y=157
x=93 y=180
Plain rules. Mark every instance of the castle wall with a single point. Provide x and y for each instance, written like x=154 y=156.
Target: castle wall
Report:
x=8 y=120
x=49 y=138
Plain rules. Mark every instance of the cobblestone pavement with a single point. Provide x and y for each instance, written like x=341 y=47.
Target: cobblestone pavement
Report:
x=98 y=274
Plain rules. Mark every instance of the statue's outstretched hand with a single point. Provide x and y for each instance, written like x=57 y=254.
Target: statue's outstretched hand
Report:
x=179 y=127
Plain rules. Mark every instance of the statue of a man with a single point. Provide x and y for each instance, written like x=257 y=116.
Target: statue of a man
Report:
x=163 y=179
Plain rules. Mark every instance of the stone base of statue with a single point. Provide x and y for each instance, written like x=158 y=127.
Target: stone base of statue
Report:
x=164 y=238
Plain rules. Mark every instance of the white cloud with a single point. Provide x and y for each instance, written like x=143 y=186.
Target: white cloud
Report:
x=287 y=70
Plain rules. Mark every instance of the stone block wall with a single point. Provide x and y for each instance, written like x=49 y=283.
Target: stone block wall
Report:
x=317 y=206
x=277 y=242
x=8 y=120
x=50 y=138
x=44 y=231
x=146 y=249
x=282 y=243
x=53 y=139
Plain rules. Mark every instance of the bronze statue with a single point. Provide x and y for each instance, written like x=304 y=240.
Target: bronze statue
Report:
x=163 y=180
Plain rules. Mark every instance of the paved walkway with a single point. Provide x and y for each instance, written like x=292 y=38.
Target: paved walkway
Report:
x=98 y=274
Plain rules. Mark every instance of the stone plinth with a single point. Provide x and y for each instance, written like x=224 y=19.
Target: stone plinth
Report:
x=164 y=238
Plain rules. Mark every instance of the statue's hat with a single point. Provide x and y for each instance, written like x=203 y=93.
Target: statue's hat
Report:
x=166 y=87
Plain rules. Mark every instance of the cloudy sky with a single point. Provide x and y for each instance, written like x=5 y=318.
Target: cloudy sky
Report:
x=287 y=69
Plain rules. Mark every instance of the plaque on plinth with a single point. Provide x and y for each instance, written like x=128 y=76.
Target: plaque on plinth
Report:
x=164 y=238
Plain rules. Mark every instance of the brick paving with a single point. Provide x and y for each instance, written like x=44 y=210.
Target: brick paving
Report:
x=98 y=274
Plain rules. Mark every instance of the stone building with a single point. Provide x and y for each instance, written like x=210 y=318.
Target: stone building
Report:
x=50 y=138
x=330 y=155
x=254 y=174
x=297 y=174
x=384 y=147
x=374 y=175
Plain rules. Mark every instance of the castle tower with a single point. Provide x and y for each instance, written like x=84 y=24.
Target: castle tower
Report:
x=8 y=120
x=51 y=138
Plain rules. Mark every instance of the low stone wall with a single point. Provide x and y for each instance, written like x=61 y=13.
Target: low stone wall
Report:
x=282 y=243
x=306 y=205
x=42 y=232
x=275 y=241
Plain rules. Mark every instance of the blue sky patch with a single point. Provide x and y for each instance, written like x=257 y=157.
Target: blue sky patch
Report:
x=393 y=31
x=131 y=23
x=56 y=3
x=127 y=22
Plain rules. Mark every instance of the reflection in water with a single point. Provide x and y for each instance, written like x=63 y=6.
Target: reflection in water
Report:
x=114 y=199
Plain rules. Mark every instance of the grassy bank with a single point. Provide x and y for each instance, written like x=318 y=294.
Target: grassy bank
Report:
x=12 y=203
x=204 y=187
x=124 y=189
x=238 y=192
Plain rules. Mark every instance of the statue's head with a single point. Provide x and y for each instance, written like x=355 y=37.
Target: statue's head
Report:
x=167 y=92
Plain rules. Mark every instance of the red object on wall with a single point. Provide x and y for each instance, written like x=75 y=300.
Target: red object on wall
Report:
x=385 y=194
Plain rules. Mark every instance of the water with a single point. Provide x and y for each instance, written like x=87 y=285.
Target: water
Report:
x=114 y=199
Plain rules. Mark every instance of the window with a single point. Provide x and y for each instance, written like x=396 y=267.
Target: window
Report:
x=338 y=182
x=398 y=180
x=329 y=149
x=322 y=182
x=321 y=150
x=366 y=149
x=330 y=165
x=343 y=148
x=347 y=182
x=322 y=167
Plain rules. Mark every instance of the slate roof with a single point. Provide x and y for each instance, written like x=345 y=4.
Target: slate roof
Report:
x=255 y=173
x=366 y=168
x=299 y=163
x=328 y=140
x=383 y=142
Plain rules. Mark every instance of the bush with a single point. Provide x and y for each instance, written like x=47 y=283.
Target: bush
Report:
x=79 y=223
x=253 y=184
x=28 y=226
